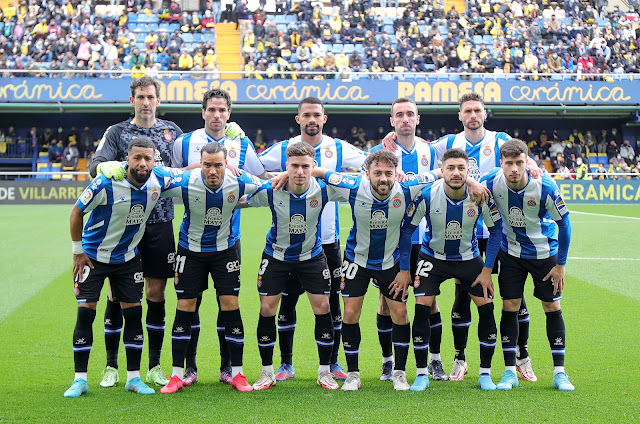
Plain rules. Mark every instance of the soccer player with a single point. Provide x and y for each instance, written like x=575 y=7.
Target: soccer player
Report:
x=529 y=245
x=206 y=247
x=216 y=110
x=414 y=157
x=336 y=155
x=378 y=204
x=449 y=250
x=107 y=248
x=157 y=247
x=294 y=248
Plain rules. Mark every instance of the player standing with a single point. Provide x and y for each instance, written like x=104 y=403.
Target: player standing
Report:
x=107 y=248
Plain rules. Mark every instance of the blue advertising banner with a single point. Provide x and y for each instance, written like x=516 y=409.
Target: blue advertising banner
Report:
x=600 y=191
x=428 y=90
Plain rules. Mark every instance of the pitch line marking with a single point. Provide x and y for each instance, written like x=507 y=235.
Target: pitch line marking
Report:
x=605 y=215
x=579 y=258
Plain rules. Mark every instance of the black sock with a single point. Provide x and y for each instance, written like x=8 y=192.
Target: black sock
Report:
x=133 y=336
x=234 y=334
x=266 y=338
x=83 y=338
x=324 y=337
x=192 y=347
x=436 y=333
x=523 y=330
x=509 y=335
x=460 y=321
x=556 y=335
x=287 y=326
x=351 y=344
x=155 y=330
x=401 y=336
x=421 y=330
x=336 y=314
x=487 y=334
x=225 y=362
x=385 y=326
x=112 y=330
x=180 y=336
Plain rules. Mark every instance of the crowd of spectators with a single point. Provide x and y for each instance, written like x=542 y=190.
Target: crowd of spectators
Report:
x=533 y=39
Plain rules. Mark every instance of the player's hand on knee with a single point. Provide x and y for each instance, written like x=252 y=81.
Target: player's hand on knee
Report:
x=400 y=284
x=484 y=279
x=233 y=130
x=279 y=181
x=235 y=171
x=113 y=170
x=557 y=278
x=80 y=261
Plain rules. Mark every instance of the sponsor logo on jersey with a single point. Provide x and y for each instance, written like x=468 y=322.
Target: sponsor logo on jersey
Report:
x=335 y=178
x=232 y=153
x=474 y=171
x=424 y=161
x=328 y=153
x=86 y=196
x=213 y=217
x=532 y=202
x=154 y=195
x=396 y=202
x=326 y=274
x=560 y=205
x=233 y=266
x=453 y=231
x=378 y=221
x=516 y=218
x=167 y=135
x=231 y=198
x=136 y=215
x=487 y=151
x=297 y=225
x=314 y=202
x=471 y=212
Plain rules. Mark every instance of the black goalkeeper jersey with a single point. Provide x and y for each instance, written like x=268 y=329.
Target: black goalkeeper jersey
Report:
x=115 y=142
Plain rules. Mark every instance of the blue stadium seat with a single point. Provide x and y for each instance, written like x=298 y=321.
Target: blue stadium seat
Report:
x=282 y=27
x=197 y=37
x=337 y=48
x=487 y=39
x=209 y=36
x=173 y=27
x=142 y=17
x=291 y=18
x=152 y=27
x=477 y=39
x=132 y=17
x=43 y=157
x=293 y=58
x=430 y=67
x=349 y=48
x=43 y=167
x=153 y=19
x=187 y=37
x=280 y=19
x=454 y=77
x=388 y=20
x=556 y=77
x=164 y=25
x=360 y=49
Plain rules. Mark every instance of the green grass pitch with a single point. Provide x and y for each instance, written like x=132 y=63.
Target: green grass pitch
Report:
x=601 y=309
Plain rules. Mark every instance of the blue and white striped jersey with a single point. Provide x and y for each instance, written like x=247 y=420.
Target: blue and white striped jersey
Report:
x=483 y=157
x=119 y=212
x=528 y=215
x=240 y=153
x=206 y=226
x=374 y=237
x=333 y=154
x=451 y=223
x=294 y=234
x=420 y=159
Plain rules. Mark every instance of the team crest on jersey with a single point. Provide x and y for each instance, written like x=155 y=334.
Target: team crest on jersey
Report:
x=378 y=221
x=424 y=161
x=342 y=284
x=516 y=218
x=232 y=153
x=396 y=202
x=416 y=282
x=86 y=196
x=176 y=280
x=136 y=215
x=487 y=151
x=259 y=281
x=297 y=225
x=532 y=202
x=328 y=153
x=154 y=195
x=335 y=178
x=76 y=290
x=314 y=202
x=453 y=231
x=231 y=198
x=471 y=212
x=474 y=171
x=213 y=217
x=167 y=135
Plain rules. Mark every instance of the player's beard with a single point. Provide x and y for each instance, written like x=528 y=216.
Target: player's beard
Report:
x=376 y=188
x=455 y=185
x=313 y=131
x=140 y=178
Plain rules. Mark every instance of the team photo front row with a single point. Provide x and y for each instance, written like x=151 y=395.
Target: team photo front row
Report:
x=520 y=212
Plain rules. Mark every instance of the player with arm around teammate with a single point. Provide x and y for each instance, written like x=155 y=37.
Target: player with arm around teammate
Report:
x=449 y=250
x=530 y=209
x=107 y=248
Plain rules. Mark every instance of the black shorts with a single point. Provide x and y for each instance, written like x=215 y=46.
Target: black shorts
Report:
x=482 y=247
x=274 y=275
x=415 y=250
x=193 y=270
x=126 y=279
x=513 y=275
x=334 y=262
x=158 y=250
x=432 y=272
x=356 y=279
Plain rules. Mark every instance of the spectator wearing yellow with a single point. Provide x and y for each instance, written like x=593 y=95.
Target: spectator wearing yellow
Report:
x=138 y=70
x=335 y=22
x=463 y=50
x=576 y=136
x=41 y=28
x=210 y=58
x=531 y=62
x=342 y=60
x=198 y=59
x=186 y=61
x=151 y=41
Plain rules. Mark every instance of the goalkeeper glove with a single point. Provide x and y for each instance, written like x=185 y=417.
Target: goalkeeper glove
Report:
x=112 y=170
x=233 y=130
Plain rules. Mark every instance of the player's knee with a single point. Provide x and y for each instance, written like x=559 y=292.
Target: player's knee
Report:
x=383 y=308
x=511 y=305
x=187 y=305
x=229 y=303
x=154 y=289
x=88 y=305
x=551 y=306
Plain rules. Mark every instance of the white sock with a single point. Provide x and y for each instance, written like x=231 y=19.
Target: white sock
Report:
x=179 y=371
x=268 y=368
x=133 y=374
x=557 y=370
x=512 y=369
x=435 y=357
x=323 y=368
x=421 y=371
x=484 y=371
x=402 y=371
x=387 y=359
x=81 y=375
x=237 y=370
x=517 y=351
